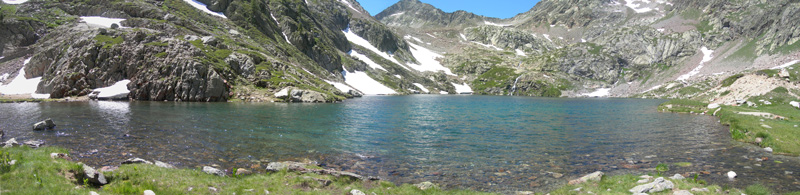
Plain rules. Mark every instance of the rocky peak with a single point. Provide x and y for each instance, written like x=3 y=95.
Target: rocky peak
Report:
x=416 y=14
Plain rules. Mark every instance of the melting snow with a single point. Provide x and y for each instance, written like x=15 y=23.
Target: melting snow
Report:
x=341 y=86
x=366 y=59
x=102 y=21
x=279 y=23
x=521 y=53
x=349 y=5
x=421 y=87
x=489 y=46
x=427 y=60
x=706 y=58
x=116 y=91
x=412 y=37
x=21 y=85
x=785 y=65
x=602 y=92
x=463 y=37
x=202 y=7
x=429 y=34
x=352 y=37
x=462 y=88
x=365 y=84
x=583 y=40
x=14 y=2
x=443 y=92
x=546 y=36
x=397 y=14
x=398 y=76
x=494 y=24
x=638 y=7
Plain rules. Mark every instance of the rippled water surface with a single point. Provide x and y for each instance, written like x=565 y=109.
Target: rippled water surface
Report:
x=487 y=143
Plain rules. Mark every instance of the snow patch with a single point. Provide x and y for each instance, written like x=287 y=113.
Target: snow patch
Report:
x=422 y=87
x=521 y=53
x=707 y=56
x=279 y=23
x=352 y=37
x=785 y=65
x=638 y=6
x=427 y=60
x=21 y=85
x=546 y=36
x=443 y=92
x=652 y=88
x=495 y=24
x=102 y=21
x=366 y=59
x=398 y=76
x=361 y=81
x=488 y=45
x=602 y=92
x=116 y=91
x=462 y=88
x=202 y=7
x=429 y=34
x=583 y=40
x=4 y=77
x=463 y=37
x=397 y=14
x=341 y=86
x=414 y=38
x=14 y=2
x=349 y=5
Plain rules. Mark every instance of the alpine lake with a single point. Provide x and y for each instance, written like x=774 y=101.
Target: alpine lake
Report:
x=486 y=143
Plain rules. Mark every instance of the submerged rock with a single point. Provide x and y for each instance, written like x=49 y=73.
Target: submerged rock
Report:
x=46 y=124
x=660 y=184
x=590 y=177
x=213 y=171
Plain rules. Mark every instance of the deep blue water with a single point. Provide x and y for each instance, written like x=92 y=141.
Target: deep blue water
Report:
x=492 y=143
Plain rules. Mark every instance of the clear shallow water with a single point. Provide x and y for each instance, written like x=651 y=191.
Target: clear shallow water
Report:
x=490 y=143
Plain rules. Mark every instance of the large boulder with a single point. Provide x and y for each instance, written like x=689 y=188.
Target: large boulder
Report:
x=10 y=143
x=33 y=143
x=94 y=176
x=293 y=94
x=46 y=124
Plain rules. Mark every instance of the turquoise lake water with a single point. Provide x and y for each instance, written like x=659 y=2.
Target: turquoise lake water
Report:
x=490 y=143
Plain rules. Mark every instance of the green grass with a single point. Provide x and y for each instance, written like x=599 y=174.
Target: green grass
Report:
x=107 y=41
x=36 y=173
x=620 y=184
x=757 y=189
x=747 y=52
x=497 y=77
x=161 y=55
x=730 y=80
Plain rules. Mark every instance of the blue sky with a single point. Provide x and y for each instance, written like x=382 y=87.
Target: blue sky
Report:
x=491 y=8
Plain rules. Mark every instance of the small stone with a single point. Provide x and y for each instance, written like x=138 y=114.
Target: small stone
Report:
x=768 y=149
x=524 y=193
x=700 y=190
x=212 y=189
x=788 y=172
x=425 y=185
x=148 y=192
x=748 y=167
x=590 y=177
x=59 y=155
x=136 y=161
x=33 y=143
x=712 y=106
x=242 y=172
x=12 y=162
x=759 y=140
x=577 y=189
x=660 y=184
x=93 y=193
x=682 y=192
x=555 y=175
x=356 y=192
x=731 y=174
x=213 y=171
x=164 y=165
x=677 y=177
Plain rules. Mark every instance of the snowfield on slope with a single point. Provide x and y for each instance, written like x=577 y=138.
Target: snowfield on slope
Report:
x=354 y=38
x=422 y=87
x=116 y=91
x=341 y=86
x=14 y=2
x=20 y=85
x=366 y=59
x=102 y=21
x=602 y=92
x=427 y=60
x=362 y=82
x=202 y=7
x=707 y=56
x=462 y=88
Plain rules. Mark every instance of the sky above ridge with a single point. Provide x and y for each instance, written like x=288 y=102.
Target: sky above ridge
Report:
x=493 y=8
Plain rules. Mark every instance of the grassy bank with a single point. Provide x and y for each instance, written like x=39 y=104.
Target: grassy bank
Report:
x=770 y=118
x=35 y=172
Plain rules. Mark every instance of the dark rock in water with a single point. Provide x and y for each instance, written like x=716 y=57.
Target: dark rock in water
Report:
x=355 y=93
x=136 y=161
x=2 y=134
x=94 y=176
x=164 y=165
x=10 y=143
x=33 y=143
x=46 y=124
x=213 y=171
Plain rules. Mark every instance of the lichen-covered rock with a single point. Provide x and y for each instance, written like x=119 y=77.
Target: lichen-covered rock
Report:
x=94 y=176
x=213 y=171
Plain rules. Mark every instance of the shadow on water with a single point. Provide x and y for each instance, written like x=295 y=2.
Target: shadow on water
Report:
x=488 y=143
